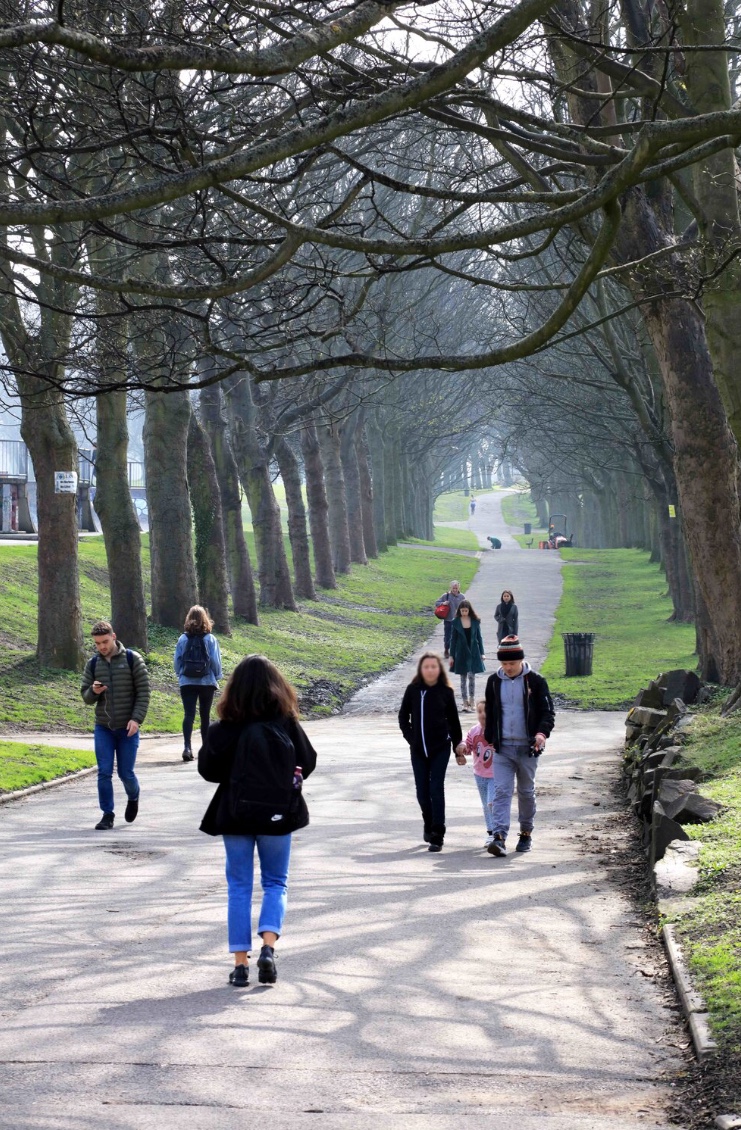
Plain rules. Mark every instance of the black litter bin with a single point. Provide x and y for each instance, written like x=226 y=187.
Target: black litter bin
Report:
x=528 y=527
x=579 y=649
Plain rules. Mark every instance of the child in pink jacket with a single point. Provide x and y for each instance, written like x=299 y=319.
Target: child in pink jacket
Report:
x=482 y=753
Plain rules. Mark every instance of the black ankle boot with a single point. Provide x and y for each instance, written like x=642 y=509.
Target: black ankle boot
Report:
x=266 y=972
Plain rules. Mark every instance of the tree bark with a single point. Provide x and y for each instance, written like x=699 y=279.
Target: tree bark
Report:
x=375 y=445
x=241 y=579
x=339 y=531
x=351 y=476
x=316 y=497
x=276 y=590
x=367 y=499
x=211 y=571
x=113 y=502
x=165 y=435
x=297 y=531
x=52 y=446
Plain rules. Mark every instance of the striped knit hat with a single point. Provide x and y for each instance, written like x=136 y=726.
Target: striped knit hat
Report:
x=510 y=648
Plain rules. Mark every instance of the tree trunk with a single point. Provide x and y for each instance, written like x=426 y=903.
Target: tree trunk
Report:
x=316 y=497
x=339 y=531
x=52 y=446
x=113 y=502
x=351 y=476
x=119 y=521
x=706 y=470
x=242 y=582
x=366 y=491
x=297 y=531
x=211 y=570
x=276 y=590
x=375 y=445
x=165 y=435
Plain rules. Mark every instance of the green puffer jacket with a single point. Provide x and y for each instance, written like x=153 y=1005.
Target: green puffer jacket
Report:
x=127 y=696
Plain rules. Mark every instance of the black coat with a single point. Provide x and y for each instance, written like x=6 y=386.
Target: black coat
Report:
x=215 y=759
x=539 y=710
x=506 y=617
x=428 y=718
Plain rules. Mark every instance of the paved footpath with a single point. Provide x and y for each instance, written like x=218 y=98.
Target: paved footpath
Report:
x=417 y=992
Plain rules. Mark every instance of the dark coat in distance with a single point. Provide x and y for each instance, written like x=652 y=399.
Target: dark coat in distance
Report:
x=506 y=617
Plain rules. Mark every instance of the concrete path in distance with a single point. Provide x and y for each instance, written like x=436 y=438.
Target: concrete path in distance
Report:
x=534 y=576
x=416 y=991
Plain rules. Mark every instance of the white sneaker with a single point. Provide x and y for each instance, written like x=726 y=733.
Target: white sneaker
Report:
x=489 y=838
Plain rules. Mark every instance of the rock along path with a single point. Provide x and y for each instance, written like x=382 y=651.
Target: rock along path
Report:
x=416 y=991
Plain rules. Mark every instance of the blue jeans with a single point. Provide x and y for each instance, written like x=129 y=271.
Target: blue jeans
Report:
x=486 y=792
x=513 y=762
x=447 y=633
x=110 y=744
x=274 y=853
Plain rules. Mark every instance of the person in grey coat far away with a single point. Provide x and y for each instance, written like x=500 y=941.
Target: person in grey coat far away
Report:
x=506 y=616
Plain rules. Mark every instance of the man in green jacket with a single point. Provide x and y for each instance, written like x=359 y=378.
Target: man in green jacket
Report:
x=116 y=680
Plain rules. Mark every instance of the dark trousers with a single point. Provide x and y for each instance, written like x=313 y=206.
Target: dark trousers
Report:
x=447 y=633
x=429 y=777
x=192 y=695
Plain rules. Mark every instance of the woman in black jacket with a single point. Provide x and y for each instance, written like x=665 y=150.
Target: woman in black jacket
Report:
x=429 y=721
x=506 y=616
x=259 y=755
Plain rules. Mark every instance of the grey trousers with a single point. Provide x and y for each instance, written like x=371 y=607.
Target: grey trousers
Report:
x=513 y=763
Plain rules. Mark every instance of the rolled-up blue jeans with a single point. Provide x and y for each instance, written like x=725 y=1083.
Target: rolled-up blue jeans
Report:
x=513 y=762
x=110 y=744
x=486 y=792
x=274 y=853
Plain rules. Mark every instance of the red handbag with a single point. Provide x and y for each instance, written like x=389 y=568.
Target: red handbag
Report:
x=442 y=610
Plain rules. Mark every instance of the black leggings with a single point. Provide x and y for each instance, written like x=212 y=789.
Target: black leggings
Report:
x=204 y=696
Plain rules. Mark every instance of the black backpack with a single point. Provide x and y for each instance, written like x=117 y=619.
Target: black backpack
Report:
x=261 y=792
x=195 y=657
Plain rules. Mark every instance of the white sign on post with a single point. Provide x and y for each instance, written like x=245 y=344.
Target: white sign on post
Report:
x=65 y=482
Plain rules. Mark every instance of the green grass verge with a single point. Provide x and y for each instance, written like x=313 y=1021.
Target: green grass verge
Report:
x=710 y=926
x=451 y=507
x=22 y=765
x=518 y=509
x=620 y=596
x=448 y=537
x=376 y=616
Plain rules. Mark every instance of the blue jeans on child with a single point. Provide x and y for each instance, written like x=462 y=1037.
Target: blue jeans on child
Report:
x=274 y=853
x=486 y=792
x=110 y=744
x=512 y=762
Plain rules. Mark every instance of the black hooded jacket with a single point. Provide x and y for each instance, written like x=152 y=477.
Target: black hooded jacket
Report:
x=215 y=760
x=428 y=718
x=540 y=713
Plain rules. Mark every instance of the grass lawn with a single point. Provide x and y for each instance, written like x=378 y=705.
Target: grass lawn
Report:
x=375 y=617
x=710 y=926
x=518 y=509
x=22 y=765
x=620 y=596
x=451 y=507
x=448 y=537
